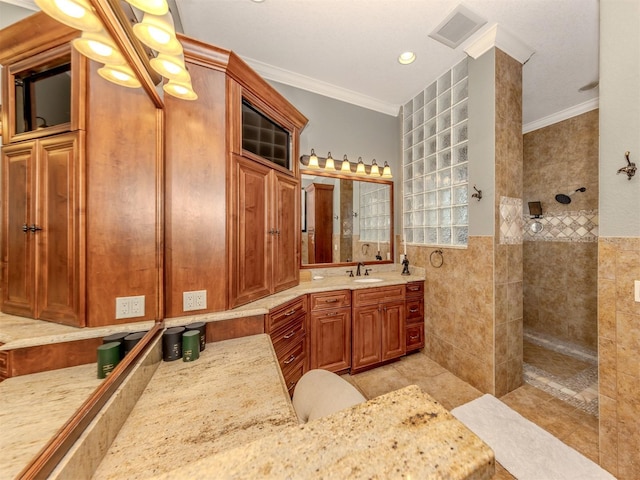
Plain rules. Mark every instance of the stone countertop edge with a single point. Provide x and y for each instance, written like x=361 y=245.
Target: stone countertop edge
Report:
x=405 y=433
x=259 y=307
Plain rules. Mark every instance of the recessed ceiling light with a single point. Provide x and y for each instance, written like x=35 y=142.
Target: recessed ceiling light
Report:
x=406 y=58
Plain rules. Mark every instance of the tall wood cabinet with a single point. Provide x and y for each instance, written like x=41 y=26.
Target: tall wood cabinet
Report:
x=88 y=188
x=42 y=244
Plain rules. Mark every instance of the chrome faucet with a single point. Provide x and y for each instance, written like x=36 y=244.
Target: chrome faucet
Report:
x=360 y=264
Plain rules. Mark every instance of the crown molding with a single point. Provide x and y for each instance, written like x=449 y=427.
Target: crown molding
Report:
x=287 y=77
x=497 y=36
x=562 y=115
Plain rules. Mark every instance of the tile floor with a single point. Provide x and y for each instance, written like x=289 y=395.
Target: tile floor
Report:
x=570 y=424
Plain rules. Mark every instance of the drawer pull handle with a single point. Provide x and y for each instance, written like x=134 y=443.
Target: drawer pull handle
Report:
x=411 y=337
x=290 y=359
x=331 y=300
x=414 y=289
x=290 y=312
x=331 y=314
x=289 y=335
x=413 y=310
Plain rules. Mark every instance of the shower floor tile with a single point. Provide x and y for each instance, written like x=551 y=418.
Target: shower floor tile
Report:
x=566 y=372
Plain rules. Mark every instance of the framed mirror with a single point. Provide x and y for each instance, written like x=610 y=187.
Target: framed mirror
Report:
x=345 y=220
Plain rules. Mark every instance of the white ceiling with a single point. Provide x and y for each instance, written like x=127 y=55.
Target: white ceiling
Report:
x=348 y=49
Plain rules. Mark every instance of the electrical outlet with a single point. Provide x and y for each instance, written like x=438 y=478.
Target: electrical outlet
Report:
x=636 y=286
x=130 y=307
x=196 y=300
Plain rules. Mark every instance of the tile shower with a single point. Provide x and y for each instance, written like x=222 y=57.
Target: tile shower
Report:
x=560 y=265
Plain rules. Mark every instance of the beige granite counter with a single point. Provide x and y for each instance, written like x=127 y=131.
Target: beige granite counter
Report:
x=403 y=434
x=227 y=415
x=232 y=395
x=34 y=407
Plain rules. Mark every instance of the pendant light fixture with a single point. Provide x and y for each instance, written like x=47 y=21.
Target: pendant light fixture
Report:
x=313 y=160
x=182 y=90
x=360 y=170
x=154 y=7
x=170 y=66
x=375 y=171
x=346 y=166
x=78 y=14
x=329 y=163
x=386 y=171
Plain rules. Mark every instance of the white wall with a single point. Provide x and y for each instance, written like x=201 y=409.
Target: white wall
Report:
x=619 y=116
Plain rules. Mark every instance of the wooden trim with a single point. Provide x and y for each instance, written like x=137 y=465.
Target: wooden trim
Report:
x=51 y=454
x=160 y=202
x=203 y=54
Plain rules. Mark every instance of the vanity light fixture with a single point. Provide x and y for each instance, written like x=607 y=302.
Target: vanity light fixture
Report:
x=313 y=160
x=329 y=163
x=182 y=90
x=78 y=14
x=157 y=32
x=374 y=168
x=155 y=7
x=119 y=74
x=171 y=67
x=100 y=47
x=346 y=165
x=406 y=58
x=386 y=171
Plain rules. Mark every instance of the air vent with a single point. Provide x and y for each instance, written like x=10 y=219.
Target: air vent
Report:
x=459 y=25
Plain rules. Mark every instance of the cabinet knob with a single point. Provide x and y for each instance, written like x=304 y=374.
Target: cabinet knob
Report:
x=25 y=228
x=34 y=228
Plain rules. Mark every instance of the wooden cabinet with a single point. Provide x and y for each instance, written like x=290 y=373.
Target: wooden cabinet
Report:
x=42 y=231
x=415 y=316
x=319 y=216
x=330 y=318
x=287 y=326
x=93 y=184
x=378 y=326
x=263 y=231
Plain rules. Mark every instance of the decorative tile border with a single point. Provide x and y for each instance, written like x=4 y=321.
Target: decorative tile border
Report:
x=578 y=226
x=511 y=221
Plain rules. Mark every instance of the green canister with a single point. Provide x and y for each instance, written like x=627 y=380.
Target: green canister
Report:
x=108 y=358
x=190 y=345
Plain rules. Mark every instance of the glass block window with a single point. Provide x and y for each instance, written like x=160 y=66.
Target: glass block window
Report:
x=435 y=162
x=375 y=212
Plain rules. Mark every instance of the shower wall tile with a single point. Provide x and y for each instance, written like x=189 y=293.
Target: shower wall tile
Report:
x=619 y=356
x=578 y=226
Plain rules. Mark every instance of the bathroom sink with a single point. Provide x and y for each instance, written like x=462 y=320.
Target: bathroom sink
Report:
x=368 y=280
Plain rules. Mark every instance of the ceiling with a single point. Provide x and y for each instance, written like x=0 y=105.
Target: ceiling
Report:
x=348 y=49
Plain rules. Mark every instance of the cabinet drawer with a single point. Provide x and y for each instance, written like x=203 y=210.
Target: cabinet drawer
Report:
x=372 y=296
x=415 y=336
x=285 y=314
x=292 y=374
x=415 y=289
x=335 y=299
x=292 y=356
x=415 y=311
x=284 y=338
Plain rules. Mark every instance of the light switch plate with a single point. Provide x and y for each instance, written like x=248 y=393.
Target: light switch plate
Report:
x=637 y=290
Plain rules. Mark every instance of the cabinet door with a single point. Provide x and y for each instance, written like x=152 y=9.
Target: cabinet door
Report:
x=366 y=337
x=285 y=215
x=59 y=250
x=331 y=339
x=250 y=274
x=18 y=246
x=393 y=330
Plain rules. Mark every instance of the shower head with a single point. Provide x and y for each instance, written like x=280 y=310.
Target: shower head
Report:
x=566 y=199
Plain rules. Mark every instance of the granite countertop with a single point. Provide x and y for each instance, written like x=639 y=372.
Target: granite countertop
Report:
x=34 y=407
x=227 y=415
x=19 y=332
x=403 y=434
x=232 y=395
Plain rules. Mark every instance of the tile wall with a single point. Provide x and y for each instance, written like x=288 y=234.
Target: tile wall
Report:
x=507 y=244
x=619 y=356
x=560 y=262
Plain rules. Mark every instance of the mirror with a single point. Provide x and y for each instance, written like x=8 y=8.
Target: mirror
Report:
x=345 y=220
